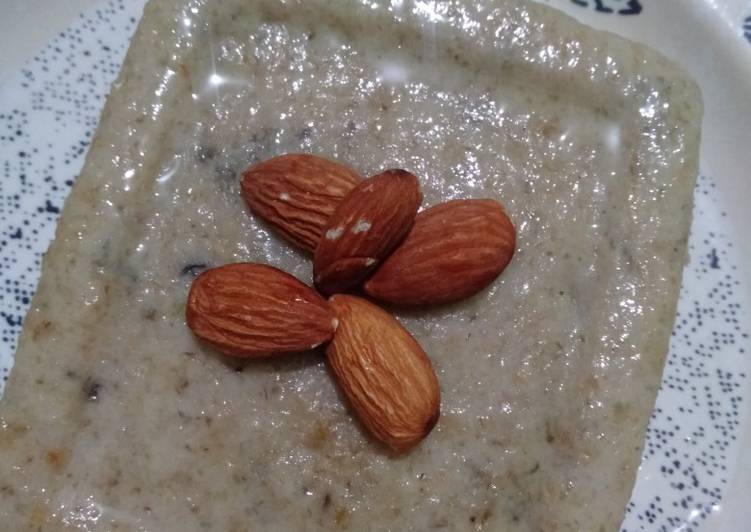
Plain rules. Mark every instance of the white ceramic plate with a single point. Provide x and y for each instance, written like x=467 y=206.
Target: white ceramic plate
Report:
x=694 y=474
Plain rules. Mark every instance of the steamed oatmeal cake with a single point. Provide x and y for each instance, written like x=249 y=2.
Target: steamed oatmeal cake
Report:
x=116 y=418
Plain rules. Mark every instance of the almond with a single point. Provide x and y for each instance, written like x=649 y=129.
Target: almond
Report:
x=254 y=310
x=384 y=373
x=367 y=225
x=454 y=250
x=297 y=193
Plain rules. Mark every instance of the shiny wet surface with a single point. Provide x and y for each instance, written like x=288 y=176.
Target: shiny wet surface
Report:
x=548 y=377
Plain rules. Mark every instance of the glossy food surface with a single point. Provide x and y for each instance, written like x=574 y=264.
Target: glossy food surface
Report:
x=114 y=416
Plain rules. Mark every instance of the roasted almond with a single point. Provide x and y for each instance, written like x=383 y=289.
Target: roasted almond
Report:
x=368 y=224
x=297 y=193
x=254 y=310
x=384 y=373
x=454 y=250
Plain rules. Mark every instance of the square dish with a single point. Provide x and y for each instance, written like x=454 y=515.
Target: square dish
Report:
x=548 y=378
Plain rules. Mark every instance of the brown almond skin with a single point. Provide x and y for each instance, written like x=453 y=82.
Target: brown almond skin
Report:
x=364 y=229
x=297 y=193
x=454 y=250
x=384 y=373
x=254 y=310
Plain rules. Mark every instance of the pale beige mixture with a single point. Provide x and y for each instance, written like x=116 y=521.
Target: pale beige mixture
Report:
x=116 y=418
